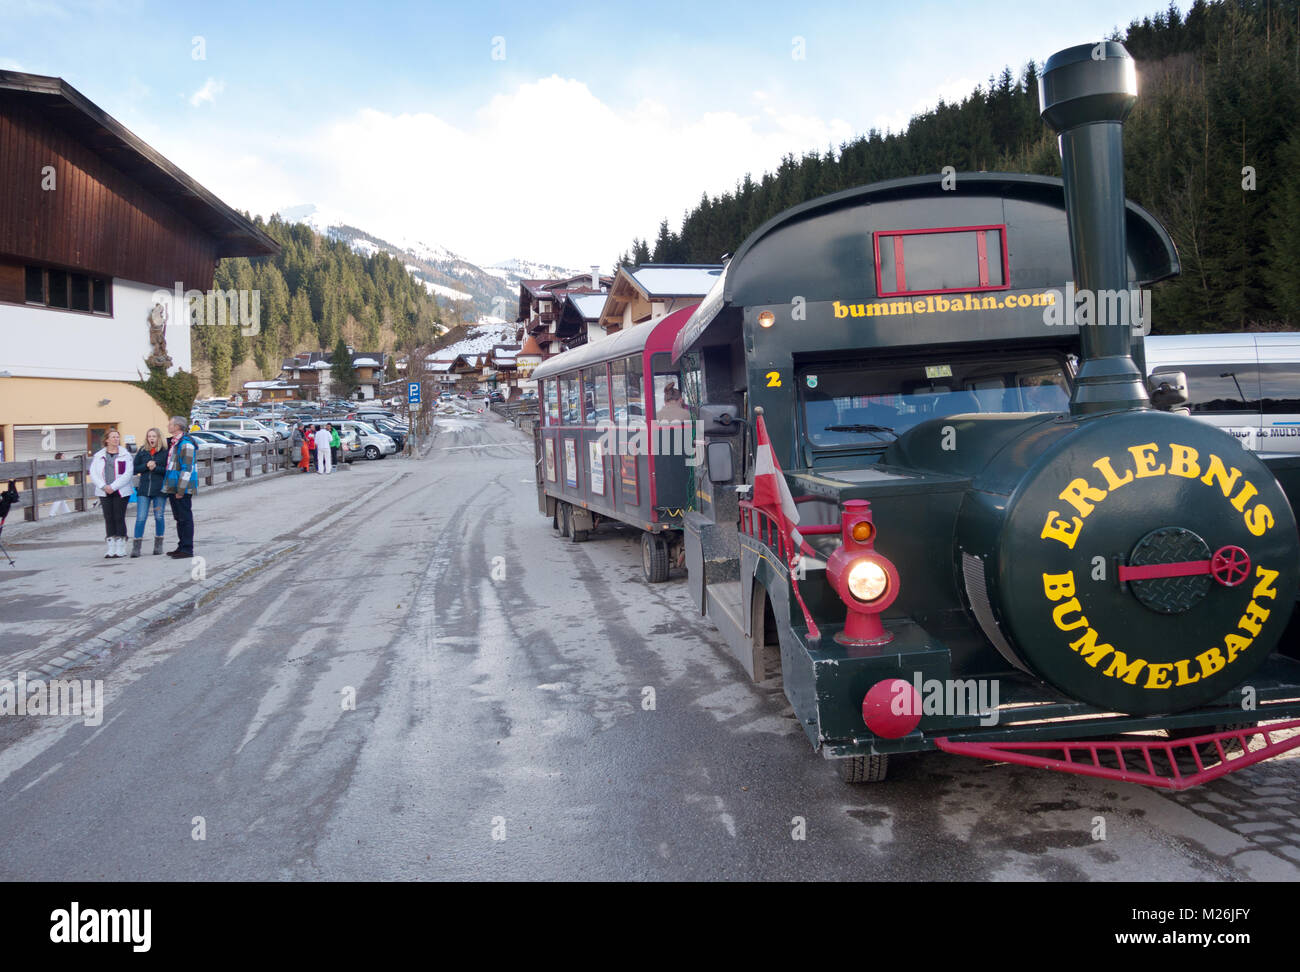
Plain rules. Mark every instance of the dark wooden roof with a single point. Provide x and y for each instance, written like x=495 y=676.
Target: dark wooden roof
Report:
x=65 y=107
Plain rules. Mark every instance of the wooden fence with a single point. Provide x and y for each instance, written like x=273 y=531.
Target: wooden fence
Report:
x=213 y=465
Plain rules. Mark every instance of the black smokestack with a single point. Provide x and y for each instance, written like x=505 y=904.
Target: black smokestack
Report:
x=1085 y=93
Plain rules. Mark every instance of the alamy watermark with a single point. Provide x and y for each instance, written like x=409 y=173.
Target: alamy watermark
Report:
x=1101 y=308
x=215 y=308
x=946 y=697
x=681 y=438
x=56 y=697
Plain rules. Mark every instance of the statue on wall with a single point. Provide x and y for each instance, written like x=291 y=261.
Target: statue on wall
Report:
x=158 y=358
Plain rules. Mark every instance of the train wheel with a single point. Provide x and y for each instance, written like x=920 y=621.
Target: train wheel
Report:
x=864 y=769
x=1208 y=750
x=562 y=511
x=654 y=558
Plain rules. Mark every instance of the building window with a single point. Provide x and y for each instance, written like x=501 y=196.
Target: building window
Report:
x=939 y=261
x=65 y=290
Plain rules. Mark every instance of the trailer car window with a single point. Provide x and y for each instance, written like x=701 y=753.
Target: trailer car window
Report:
x=635 y=395
x=552 y=402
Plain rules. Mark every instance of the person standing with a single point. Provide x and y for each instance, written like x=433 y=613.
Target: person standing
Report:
x=323 y=452
x=335 y=441
x=180 y=484
x=307 y=439
x=111 y=470
x=149 y=466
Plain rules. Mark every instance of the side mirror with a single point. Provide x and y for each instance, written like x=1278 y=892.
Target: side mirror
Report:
x=1168 y=390
x=720 y=420
x=719 y=458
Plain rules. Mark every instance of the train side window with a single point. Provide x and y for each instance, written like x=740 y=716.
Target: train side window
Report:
x=635 y=392
x=1220 y=387
x=599 y=377
x=619 y=372
x=1279 y=388
x=552 y=395
x=569 y=400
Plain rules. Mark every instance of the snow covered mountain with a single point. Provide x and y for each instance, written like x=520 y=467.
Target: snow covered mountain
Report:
x=467 y=290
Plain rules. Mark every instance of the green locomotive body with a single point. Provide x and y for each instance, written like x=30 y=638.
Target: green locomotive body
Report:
x=1005 y=547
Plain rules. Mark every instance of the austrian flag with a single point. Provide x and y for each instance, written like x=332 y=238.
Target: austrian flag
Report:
x=772 y=496
x=772 y=493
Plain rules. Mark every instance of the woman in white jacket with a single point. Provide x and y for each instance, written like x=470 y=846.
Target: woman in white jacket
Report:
x=112 y=470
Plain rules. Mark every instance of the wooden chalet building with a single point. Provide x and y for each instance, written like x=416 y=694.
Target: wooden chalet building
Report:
x=310 y=373
x=646 y=293
x=98 y=235
x=542 y=309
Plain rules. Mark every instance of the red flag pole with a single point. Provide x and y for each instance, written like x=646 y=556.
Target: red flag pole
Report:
x=787 y=527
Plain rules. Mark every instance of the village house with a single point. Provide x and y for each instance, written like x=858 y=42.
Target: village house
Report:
x=99 y=234
x=644 y=294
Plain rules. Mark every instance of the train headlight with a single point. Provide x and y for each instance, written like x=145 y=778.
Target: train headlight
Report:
x=867 y=581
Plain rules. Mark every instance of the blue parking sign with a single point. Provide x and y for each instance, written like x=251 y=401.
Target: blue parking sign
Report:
x=413 y=393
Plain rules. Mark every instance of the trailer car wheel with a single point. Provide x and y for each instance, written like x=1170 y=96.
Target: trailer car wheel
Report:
x=654 y=558
x=563 y=513
x=864 y=769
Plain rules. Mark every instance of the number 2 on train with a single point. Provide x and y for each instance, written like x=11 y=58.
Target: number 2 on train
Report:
x=774 y=379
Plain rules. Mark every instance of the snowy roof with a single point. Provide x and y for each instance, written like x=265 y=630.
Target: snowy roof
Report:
x=442 y=366
x=320 y=366
x=677 y=281
x=366 y=363
x=588 y=305
x=268 y=384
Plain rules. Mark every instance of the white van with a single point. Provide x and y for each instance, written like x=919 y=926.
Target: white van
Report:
x=1247 y=384
x=244 y=426
x=374 y=443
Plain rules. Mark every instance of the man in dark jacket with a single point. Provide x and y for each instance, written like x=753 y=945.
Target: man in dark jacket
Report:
x=179 y=484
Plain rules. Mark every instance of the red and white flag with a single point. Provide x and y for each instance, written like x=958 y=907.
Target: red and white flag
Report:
x=772 y=493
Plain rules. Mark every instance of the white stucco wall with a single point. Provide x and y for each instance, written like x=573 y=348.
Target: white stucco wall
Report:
x=44 y=343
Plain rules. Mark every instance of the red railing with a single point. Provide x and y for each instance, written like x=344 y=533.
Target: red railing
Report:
x=1145 y=769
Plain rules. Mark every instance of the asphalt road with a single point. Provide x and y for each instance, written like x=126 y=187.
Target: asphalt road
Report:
x=500 y=731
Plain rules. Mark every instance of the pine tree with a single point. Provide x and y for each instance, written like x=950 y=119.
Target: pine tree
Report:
x=342 y=374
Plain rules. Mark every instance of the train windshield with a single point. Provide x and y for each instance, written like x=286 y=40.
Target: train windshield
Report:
x=848 y=404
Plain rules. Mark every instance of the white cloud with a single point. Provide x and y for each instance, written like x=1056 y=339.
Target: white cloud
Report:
x=546 y=171
x=211 y=88
x=9 y=64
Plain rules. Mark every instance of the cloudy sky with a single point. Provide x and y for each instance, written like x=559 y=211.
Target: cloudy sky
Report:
x=551 y=132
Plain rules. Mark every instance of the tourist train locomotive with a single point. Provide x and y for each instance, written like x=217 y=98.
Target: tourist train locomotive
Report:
x=941 y=504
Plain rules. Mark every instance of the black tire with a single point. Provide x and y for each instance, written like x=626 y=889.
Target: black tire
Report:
x=864 y=769
x=654 y=558
x=372 y=452
x=1208 y=750
x=565 y=525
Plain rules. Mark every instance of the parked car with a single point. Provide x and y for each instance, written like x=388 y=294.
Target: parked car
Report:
x=496 y=397
x=243 y=426
x=210 y=440
x=1248 y=384
x=371 y=414
x=375 y=444
x=350 y=447
x=397 y=433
